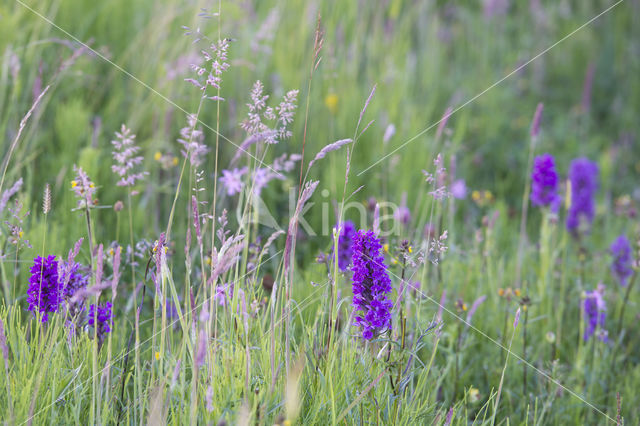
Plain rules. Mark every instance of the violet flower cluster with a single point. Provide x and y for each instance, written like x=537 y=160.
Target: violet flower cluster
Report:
x=103 y=315
x=595 y=313
x=345 y=245
x=371 y=285
x=544 y=182
x=583 y=175
x=43 y=294
x=621 y=266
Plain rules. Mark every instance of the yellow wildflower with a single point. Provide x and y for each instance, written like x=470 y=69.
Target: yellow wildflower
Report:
x=157 y=156
x=331 y=101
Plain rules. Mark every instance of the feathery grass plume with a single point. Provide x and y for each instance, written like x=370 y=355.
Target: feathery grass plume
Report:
x=306 y=193
x=474 y=307
x=583 y=175
x=329 y=148
x=43 y=294
x=192 y=141
x=345 y=244
x=544 y=182
x=6 y=195
x=259 y=112
x=595 y=313
x=225 y=258
x=442 y=124
x=116 y=273
x=537 y=119
x=46 y=199
x=23 y=124
x=621 y=267
x=371 y=285
x=216 y=57
x=125 y=157
x=196 y=218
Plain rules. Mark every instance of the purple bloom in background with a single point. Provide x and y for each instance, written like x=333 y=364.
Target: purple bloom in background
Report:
x=583 y=175
x=345 y=245
x=43 y=294
x=402 y=213
x=459 y=189
x=103 y=315
x=544 y=181
x=231 y=180
x=595 y=312
x=621 y=265
x=371 y=284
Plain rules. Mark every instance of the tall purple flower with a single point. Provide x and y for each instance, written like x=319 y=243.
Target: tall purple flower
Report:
x=104 y=317
x=583 y=175
x=621 y=265
x=544 y=181
x=371 y=285
x=43 y=294
x=595 y=313
x=345 y=245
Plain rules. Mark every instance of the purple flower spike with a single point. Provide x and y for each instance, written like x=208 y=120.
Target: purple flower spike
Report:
x=371 y=285
x=621 y=265
x=544 y=181
x=104 y=318
x=43 y=294
x=583 y=175
x=345 y=245
x=595 y=313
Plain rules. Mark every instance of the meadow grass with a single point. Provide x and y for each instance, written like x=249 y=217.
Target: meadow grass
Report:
x=229 y=304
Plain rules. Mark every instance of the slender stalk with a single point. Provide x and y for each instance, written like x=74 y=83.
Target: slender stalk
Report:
x=626 y=299
x=504 y=369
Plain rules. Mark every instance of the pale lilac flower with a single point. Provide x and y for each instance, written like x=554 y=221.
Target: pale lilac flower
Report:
x=231 y=180
x=459 y=189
